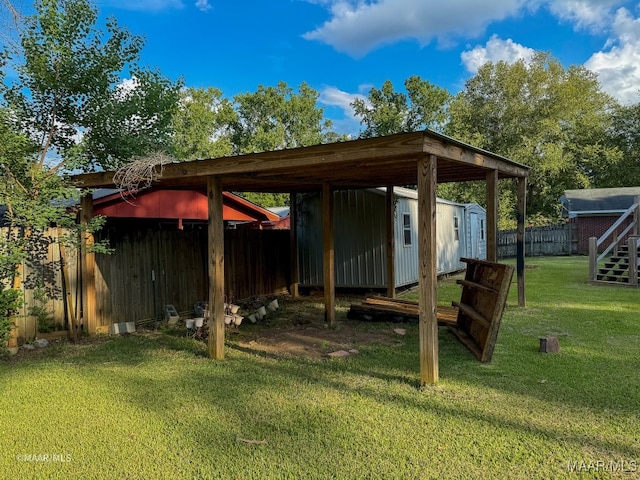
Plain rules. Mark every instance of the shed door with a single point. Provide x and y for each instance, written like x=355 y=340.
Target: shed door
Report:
x=475 y=235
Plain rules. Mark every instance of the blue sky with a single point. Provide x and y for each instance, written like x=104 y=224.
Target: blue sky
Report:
x=344 y=47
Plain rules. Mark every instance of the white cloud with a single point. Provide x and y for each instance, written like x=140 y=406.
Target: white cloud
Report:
x=618 y=68
x=203 y=5
x=495 y=50
x=359 y=26
x=334 y=97
x=126 y=87
x=593 y=15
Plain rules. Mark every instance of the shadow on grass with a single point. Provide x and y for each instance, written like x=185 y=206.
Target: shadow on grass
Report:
x=257 y=394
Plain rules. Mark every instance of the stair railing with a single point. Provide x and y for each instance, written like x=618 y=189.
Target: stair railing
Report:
x=595 y=243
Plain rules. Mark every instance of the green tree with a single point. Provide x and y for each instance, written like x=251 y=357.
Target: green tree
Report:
x=70 y=110
x=624 y=134
x=386 y=111
x=202 y=124
x=542 y=115
x=69 y=86
x=274 y=118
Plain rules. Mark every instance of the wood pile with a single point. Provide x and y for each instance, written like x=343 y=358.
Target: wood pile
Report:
x=474 y=320
x=383 y=309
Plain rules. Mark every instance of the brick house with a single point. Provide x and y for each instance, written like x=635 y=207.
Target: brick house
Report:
x=594 y=210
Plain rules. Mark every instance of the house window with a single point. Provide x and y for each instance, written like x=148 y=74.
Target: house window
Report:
x=406 y=228
x=482 y=229
x=456 y=228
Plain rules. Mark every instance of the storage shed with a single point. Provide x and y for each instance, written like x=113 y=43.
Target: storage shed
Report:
x=360 y=232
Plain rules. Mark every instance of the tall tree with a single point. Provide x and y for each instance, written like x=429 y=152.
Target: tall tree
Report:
x=624 y=134
x=542 y=115
x=274 y=118
x=70 y=110
x=202 y=124
x=386 y=111
x=70 y=86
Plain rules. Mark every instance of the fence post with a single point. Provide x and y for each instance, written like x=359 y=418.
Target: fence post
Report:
x=593 y=257
x=632 y=244
x=636 y=217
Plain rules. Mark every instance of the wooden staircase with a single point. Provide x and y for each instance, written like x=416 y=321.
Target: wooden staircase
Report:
x=619 y=263
x=616 y=268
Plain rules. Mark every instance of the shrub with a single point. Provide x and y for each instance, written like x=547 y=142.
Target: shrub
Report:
x=10 y=303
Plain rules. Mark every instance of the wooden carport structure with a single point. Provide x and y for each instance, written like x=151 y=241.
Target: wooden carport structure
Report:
x=423 y=158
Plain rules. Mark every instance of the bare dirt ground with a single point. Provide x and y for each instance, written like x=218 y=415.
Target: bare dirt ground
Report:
x=299 y=329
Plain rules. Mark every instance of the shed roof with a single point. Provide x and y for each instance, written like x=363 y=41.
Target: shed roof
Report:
x=598 y=201
x=362 y=163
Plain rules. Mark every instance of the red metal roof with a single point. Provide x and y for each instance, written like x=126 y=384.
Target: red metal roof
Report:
x=178 y=204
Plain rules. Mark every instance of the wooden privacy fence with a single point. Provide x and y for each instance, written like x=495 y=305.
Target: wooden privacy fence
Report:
x=46 y=270
x=553 y=240
x=151 y=268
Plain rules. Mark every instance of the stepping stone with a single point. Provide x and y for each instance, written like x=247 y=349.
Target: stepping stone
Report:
x=400 y=331
x=339 y=353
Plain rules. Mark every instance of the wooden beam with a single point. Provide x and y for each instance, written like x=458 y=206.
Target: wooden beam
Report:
x=391 y=242
x=632 y=249
x=297 y=159
x=216 y=268
x=520 y=214
x=328 y=255
x=427 y=274
x=452 y=150
x=492 y=216
x=88 y=267
x=293 y=245
x=350 y=159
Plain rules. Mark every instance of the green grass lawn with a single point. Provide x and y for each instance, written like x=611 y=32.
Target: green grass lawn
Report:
x=153 y=406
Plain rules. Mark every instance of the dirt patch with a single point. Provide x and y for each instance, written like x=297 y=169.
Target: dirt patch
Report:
x=301 y=333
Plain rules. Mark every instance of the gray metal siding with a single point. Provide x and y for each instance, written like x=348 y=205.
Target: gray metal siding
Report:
x=360 y=239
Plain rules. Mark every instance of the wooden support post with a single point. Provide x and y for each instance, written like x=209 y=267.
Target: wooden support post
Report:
x=632 y=249
x=88 y=265
x=520 y=217
x=492 y=216
x=593 y=258
x=328 y=255
x=293 y=246
x=216 y=268
x=391 y=243
x=427 y=274
x=636 y=217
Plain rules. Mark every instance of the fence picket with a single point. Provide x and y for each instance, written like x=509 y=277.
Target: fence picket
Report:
x=550 y=240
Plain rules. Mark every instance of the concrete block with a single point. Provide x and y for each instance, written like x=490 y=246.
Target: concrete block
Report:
x=171 y=314
x=123 y=327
